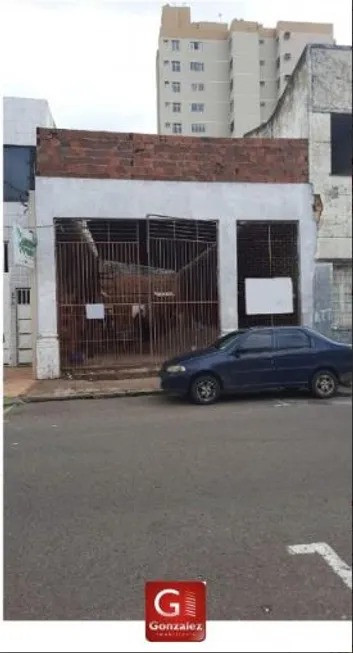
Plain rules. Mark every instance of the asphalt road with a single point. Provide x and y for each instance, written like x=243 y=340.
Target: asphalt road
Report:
x=101 y=496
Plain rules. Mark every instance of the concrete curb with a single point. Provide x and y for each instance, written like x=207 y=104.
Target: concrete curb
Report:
x=116 y=394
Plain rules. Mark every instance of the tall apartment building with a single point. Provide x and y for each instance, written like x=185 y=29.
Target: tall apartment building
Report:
x=215 y=80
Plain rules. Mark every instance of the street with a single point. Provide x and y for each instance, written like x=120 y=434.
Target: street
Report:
x=102 y=495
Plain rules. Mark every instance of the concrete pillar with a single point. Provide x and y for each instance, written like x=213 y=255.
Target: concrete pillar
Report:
x=227 y=274
x=47 y=359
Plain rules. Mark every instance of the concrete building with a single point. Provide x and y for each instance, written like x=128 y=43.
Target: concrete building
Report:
x=317 y=105
x=215 y=80
x=148 y=246
x=22 y=116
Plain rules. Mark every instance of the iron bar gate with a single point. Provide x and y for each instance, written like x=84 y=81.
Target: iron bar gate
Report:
x=267 y=250
x=131 y=293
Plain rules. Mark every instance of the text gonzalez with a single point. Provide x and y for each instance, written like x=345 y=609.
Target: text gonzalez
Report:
x=186 y=627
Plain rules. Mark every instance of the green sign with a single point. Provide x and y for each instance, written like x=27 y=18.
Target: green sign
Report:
x=24 y=247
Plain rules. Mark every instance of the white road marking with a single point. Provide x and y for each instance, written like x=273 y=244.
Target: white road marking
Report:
x=281 y=404
x=329 y=555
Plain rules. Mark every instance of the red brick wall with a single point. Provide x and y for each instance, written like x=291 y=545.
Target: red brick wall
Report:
x=105 y=155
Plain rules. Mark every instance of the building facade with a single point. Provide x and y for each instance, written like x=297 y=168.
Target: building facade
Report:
x=22 y=116
x=219 y=80
x=146 y=245
x=317 y=105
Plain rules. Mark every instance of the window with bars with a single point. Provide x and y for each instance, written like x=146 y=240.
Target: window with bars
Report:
x=6 y=257
x=176 y=66
x=197 y=86
x=198 y=128
x=197 y=107
x=197 y=66
x=23 y=296
x=177 y=128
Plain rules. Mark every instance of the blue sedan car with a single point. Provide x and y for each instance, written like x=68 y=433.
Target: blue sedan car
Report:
x=257 y=359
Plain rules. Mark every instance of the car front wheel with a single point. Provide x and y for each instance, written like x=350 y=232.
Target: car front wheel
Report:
x=205 y=390
x=324 y=384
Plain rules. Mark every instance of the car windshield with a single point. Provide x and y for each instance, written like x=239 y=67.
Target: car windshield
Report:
x=225 y=341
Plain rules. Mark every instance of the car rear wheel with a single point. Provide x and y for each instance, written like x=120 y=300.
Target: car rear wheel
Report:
x=324 y=384
x=205 y=390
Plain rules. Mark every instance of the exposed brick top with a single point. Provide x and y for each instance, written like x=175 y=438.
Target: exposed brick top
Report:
x=106 y=155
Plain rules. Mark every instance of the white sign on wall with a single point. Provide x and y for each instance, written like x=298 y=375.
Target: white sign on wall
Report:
x=24 y=246
x=269 y=296
x=95 y=311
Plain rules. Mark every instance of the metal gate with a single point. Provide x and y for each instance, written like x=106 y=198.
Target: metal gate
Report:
x=134 y=292
x=267 y=250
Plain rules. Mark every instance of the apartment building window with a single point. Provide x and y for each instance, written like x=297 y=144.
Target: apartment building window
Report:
x=166 y=62
x=262 y=83
x=198 y=128
x=18 y=172
x=197 y=108
x=231 y=84
x=287 y=56
x=166 y=84
x=6 y=257
x=287 y=77
x=197 y=87
x=166 y=104
x=262 y=63
x=261 y=41
x=195 y=45
x=175 y=45
x=232 y=127
x=165 y=41
x=231 y=64
x=278 y=83
x=167 y=124
x=176 y=107
x=177 y=128
x=231 y=106
x=197 y=66
x=176 y=87
x=176 y=66
x=262 y=104
x=341 y=144
x=278 y=62
x=286 y=36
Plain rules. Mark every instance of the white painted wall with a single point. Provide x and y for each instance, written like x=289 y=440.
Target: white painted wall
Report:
x=21 y=116
x=109 y=199
x=322 y=84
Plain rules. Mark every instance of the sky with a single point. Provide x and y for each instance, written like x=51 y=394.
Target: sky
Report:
x=94 y=60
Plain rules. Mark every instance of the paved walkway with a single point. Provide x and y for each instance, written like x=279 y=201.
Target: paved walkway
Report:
x=20 y=384
x=17 y=381
x=69 y=389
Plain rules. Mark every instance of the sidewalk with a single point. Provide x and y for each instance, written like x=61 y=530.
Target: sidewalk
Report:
x=19 y=385
x=17 y=382
x=61 y=389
